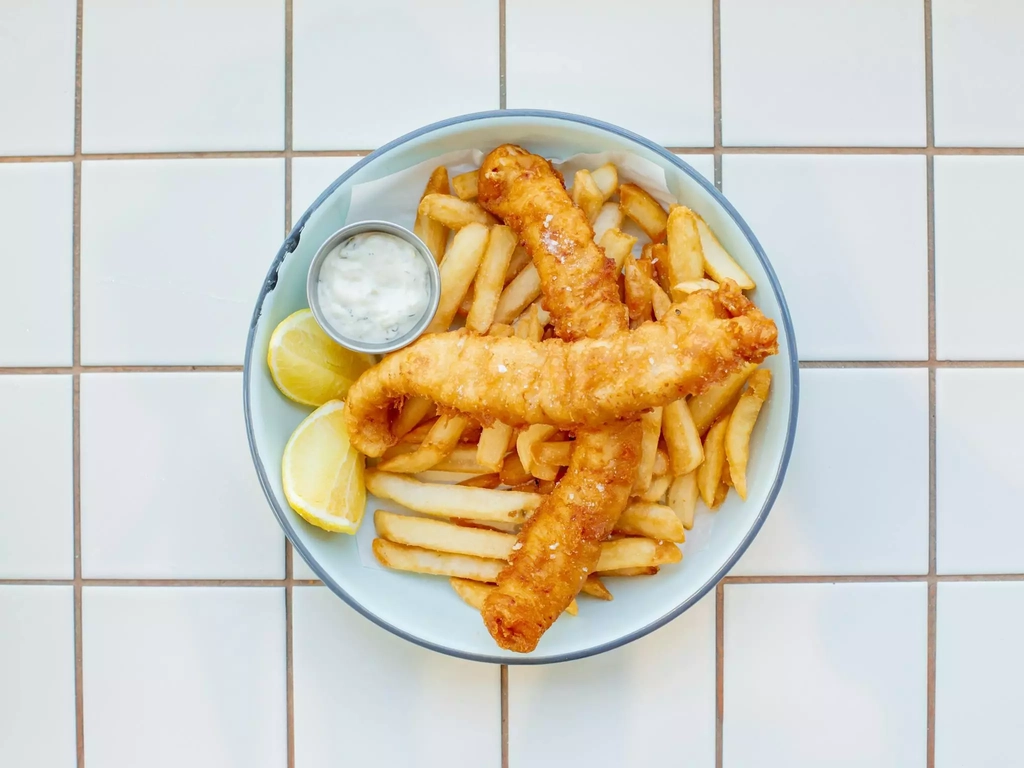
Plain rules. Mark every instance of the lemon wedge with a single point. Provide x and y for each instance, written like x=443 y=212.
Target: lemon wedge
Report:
x=307 y=365
x=322 y=473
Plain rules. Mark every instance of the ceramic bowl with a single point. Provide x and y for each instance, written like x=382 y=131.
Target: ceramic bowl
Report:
x=425 y=609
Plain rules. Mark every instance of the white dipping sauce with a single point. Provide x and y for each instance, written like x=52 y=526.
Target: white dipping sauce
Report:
x=373 y=287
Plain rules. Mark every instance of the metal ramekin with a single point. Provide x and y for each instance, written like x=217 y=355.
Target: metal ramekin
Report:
x=433 y=283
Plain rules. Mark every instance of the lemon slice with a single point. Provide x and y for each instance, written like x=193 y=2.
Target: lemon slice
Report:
x=307 y=365
x=322 y=473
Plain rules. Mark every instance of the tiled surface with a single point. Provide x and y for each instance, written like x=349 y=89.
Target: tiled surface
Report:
x=572 y=56
x=852 y=504
x=36 y=484
x=173 y=256
x=37 y=37
x=158 y=503
x=848 y=238
x=977 y=59
x=976 y=220
x=36 y=222
x=180 y=585
x=664 y=709
x=825 y=674
x=388 y=67
x=808 y=73
x=37 y=676
x=979 y=417
x=188 y=76
x=354 y=683
x=185 y=676
x=979 y=669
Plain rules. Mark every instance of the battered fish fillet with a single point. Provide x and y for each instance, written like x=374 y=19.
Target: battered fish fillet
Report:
x=579 y=284
x=585 y=383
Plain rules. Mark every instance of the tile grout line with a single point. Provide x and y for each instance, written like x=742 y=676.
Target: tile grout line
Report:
x=716 y=69
x=502 y=104
x=716 y=87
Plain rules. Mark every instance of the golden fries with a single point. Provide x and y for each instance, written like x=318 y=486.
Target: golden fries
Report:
x=441 y=536
x=416 y=560
x=607 y=180
x=682 y=498
x=594 y=587
x=490 y=278
x=440 y=441
x=685 y=452
x=684 y=256
x=433 y=233
x=474 y=593
x=518 y=295
x=741 y=424
x=465 y=184
x=494 y=440
x=520 y=258
x=660 y=302
x=557 y=453
x=649 y=570
x=536 y=433
x=709 y=473
x=657 y=489
x=453 y=212
x=415 y=410
x=490 y=480
x=681 y=290
x=650 y=423
x=458 y=267
x=638 y=291
x=587 y=195
x=451 y=500
x=636 y=553
x=717 y=261
x=609 y=217
x=617 y=245
x=710 y=404
x=655 y=521
x=644 y=210
x=514 y=474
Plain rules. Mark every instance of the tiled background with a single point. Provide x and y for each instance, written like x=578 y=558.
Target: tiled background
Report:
x=150 y=162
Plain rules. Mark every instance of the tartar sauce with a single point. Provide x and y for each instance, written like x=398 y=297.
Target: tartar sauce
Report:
x=373 y=287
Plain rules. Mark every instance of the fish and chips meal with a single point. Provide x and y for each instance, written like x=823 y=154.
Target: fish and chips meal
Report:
x=567 y=406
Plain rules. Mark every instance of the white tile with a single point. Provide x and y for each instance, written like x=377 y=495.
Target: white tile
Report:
x=639 y=698
x=825 y=674
x=36 y=495
x=852 y=503
x=703 y=164
x=808 y=73
x=977 y=59
x=401 y=64
x=37 y=77
x=376 y=699
x=173 y=256
x=36 y=259
x=978 y=263
x=184 y=676
x=37 y=677
x=979 y=416
x=573 y=56
x=847 y=236
x=300 y=570
x=979 y=672
x=311 y=176
x=184 y=75
x=168 y=486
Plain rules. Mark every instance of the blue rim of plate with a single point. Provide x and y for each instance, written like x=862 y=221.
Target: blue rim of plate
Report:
x=291 y=242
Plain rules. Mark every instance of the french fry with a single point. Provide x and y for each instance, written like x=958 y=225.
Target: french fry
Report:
x=650 y=570
x=720 y=493
x=717 y=261
x=609 y=217
x=709 y=473
x=654 y=521
x=682 y=498
x=520 y=258
x=433 y=233
x=661 y=463
x=513 y=473
x=681 y=290
x=415 y=410
x=657 y=489
x=461 y=459
x=660 y=302
x=518 y=295
x=419 y=433
x=442 y=536
x=489 y=526
x=650 y=425
x=501 y=330
x=607 y=180
x=490 y=278
x=536 y=433
x=684 y=257
x=451 y=500
x=465 y=184
x=453 y=212
x=587 y=195
x=494 y=440
x=594 y=587
x=528 y=326
x=644 y=210
x=714 y=401
x=416 y=560
x=556 y=453
x=442 y=439
x=458 y=267
x=638 y=290
x=474 y=593
x=617 y=246
x=741 y=425
x=636 y=553
x=685 y=452
x=490 y=480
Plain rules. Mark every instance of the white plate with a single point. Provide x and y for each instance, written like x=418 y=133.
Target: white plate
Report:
x=424 y=609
